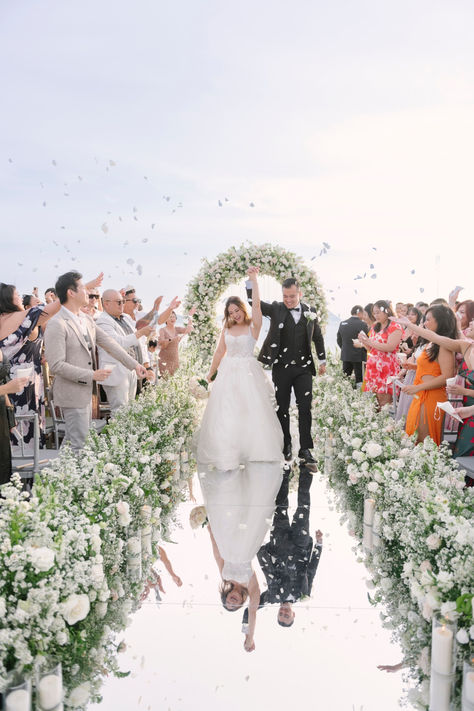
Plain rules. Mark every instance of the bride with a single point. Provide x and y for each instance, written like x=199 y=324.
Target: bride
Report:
x=239 y=455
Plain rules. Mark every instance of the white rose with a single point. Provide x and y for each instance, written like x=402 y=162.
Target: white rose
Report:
x=373 y=449
x=433 y=541
x=62 y=637
x=75 y=608
x=197 y=516
x=386 y=584
x=122 y=508
x=356 y=443
x=425 y=565
x=372 y=486
x=41 y=558
x=462 y=636
x=80 y=695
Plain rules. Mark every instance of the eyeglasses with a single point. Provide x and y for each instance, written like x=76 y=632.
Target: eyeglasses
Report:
x=112 y=301
x=135 y=301
x=94 y=296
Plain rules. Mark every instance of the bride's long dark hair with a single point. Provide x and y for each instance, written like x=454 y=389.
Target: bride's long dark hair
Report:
x=237 y=301
x=225 y=588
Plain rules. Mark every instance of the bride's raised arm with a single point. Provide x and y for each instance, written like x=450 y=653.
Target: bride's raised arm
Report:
x=219 y=353
x=256 y=309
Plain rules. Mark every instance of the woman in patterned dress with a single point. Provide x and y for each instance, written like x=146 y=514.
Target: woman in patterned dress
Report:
x=382 y=345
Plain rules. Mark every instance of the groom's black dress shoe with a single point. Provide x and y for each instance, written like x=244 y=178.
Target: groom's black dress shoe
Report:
x=306 y=457
x=287 y=452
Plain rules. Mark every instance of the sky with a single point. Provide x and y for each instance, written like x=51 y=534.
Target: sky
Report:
x=348 y=123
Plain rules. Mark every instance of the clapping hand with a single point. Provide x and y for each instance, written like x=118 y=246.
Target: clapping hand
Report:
x=252 y=273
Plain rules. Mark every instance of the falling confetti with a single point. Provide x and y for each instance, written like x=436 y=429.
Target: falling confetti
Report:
x=139 y=269
x=104 y=228
x=252 y=204
x=130 y=261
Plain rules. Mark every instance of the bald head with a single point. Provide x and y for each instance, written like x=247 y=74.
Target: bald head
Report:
x=113 y=302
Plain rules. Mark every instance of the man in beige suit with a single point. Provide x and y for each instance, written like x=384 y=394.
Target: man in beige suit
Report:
x=70 y=347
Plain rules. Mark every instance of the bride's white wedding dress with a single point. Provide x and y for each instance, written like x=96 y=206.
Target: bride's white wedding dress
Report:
x=239 y=455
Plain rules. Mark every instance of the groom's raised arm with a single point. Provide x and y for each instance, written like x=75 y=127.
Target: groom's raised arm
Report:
x=265 y=306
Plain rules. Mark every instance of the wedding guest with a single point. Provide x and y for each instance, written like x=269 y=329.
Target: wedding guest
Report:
x=70 y=346
x=7 y=387
x=401 y=308
x=50 y=295
x=21 y=343
x=465 y=314
x=382 y=345
x=409 y=339
x=154 y=356
x=30 y=300
x=368 y=315
x=169 y=338
x=422 y=306
x=93 y=307
x=442 y=338
x=121 y=385
x=434 y=365
x=352 y=357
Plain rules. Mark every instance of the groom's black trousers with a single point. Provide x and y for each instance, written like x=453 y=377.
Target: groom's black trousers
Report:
x=300 y=379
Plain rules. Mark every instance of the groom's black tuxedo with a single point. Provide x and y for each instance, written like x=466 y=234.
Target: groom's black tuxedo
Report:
x=290 y=559
x=287 y=349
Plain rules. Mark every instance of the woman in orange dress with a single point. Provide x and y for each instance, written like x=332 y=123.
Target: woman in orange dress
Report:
x=434 y=365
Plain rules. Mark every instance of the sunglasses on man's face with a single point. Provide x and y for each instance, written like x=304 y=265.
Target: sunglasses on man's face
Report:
x=93 y=296
x=135 y=301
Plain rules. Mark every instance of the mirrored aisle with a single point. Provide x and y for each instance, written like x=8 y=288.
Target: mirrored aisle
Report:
x=186 y=651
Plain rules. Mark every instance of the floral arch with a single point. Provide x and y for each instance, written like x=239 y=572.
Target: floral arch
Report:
x=231 y=266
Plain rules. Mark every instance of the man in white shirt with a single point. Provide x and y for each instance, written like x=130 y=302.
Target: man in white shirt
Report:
x=70 y=344
x=121 y=385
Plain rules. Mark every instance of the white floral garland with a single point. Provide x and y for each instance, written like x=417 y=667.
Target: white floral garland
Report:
x=423 y=564
x=231 y=266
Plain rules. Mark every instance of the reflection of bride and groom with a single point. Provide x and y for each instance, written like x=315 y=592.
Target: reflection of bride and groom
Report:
x=240 y=447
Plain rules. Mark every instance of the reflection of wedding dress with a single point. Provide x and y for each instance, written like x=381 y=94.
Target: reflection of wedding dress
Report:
x=239 y=456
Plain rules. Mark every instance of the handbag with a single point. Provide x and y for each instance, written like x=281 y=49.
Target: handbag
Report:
x=10 y=410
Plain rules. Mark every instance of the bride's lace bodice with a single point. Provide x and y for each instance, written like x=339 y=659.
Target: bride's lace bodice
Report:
x=239 y=346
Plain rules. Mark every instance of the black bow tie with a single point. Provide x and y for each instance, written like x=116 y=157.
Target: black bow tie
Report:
x=295 y=308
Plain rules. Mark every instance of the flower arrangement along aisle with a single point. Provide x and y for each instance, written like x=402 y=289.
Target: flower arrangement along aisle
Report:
x=420 y=549
x=76 y=555
x=229 y=267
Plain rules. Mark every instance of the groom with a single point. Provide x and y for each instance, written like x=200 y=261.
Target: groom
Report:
x=287 y=348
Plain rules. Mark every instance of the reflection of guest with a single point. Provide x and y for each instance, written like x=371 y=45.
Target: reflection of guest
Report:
x=289 y=560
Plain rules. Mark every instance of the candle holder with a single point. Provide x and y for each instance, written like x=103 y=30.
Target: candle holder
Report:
x=467 y=699
x=376 y=526
x=443 y=645
x=49 y=688
x=443 y=663
x=17 y=696
x=134 y=555
x=369 y=511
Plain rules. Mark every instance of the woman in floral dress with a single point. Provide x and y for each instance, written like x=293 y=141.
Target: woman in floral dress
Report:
x=382 y=345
